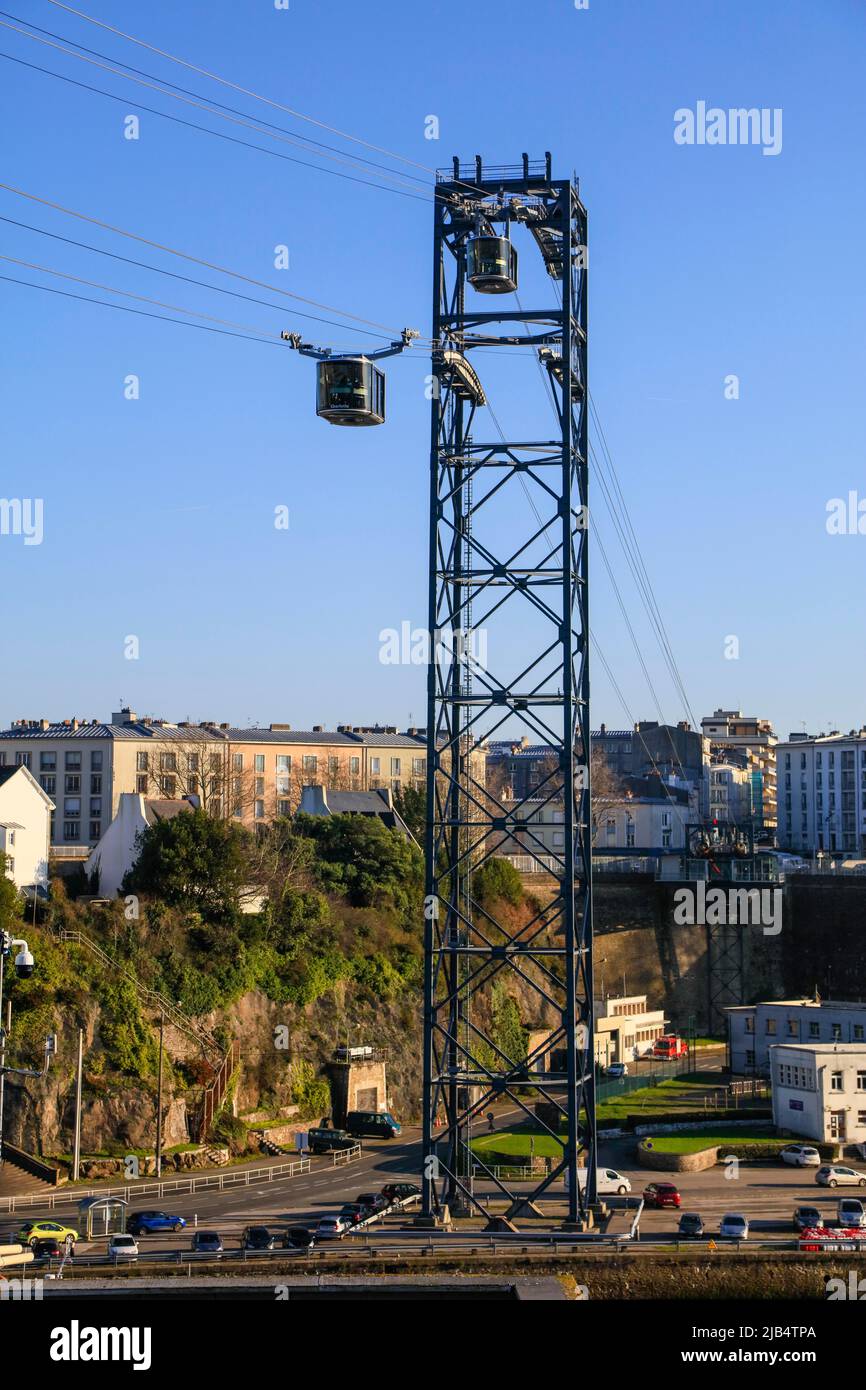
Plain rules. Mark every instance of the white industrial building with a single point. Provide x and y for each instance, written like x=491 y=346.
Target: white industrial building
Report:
x=25 y=827
x=819 y=1090
x=625 y=1028
x=754 y=1028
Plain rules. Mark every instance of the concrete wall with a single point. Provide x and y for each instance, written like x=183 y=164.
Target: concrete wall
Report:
x=349 y=1083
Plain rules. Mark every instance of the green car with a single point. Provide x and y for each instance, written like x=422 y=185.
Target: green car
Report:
x=32 y=1231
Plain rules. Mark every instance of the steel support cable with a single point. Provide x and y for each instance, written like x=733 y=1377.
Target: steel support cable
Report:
x=308 y=139
x=195 y=260
x=144 y=313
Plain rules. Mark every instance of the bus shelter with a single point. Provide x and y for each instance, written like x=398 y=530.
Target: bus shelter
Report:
x=102 y=1216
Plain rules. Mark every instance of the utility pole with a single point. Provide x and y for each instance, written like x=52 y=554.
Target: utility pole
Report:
x=159 y=1099
x=76 y=1156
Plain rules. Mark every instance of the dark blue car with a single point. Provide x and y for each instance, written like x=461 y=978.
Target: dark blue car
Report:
x=145 y=1223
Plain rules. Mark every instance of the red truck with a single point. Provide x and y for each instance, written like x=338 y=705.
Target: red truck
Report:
x=670 y=1046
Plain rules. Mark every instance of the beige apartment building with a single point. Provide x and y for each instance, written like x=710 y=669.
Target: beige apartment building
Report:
x=754 y=742
x=255 y=775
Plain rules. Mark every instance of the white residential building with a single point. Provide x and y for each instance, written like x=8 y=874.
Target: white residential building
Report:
x=822 y=793
x=625 y=1028
x=754 y=1028
x=729 y=793
x=118 y=848
x=753 y=740
x=25 y=827
x=819 y=1090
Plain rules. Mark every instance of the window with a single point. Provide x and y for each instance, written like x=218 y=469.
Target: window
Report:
x=49 y=785
x=395 y=767
x=23 y=759
x=238 y=762
x=284 y=808
x=282 y=785
x=284 y=763
x=96 y=760
x=95 y=830
x=260 y=786
x=72 y=783
x=192 y=786
x=48 y=762
x=141 y=784
x=750 y=1024
x=260 y=810
x=770 y=1028
x=861 y=1117
x=71 y=829
x=814 y=1030
x=858 y=1032
x=96 y=805
x=168 y=762
x=418 y=767
x=355 y=766
x=260 y=762
x=311 y=763
x=374 y=767
x=168 y=786
x=72 y=762
x=192 y=762
x=141 y=762
x=836 y=1081
x=96 y=784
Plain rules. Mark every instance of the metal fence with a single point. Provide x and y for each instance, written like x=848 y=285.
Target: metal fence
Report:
x=71 y=1196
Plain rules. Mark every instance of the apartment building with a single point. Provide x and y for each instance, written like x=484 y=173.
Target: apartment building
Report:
x=255 y=775
x=821 y=794
x=730 y=792
x=649 y=749
x=727 y=730
x=753 y=1029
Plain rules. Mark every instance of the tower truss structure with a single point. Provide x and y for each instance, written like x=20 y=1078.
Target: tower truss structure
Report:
x=509 y=618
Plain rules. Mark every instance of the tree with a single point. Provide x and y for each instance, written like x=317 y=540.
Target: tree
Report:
x=363 y=859
x=193 y=861
x=11 y=907
x=411 y=805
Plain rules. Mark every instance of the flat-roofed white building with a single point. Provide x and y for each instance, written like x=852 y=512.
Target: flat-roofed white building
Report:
x=754 y=1028
x=819 y=1090
x=625 y=1028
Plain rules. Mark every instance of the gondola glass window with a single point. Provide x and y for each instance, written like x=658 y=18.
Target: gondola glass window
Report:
x=491 y=265
x=351 y=391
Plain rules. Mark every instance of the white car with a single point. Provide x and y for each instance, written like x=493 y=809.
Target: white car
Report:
x=734 y=1226
x=838 y=1175
x=332 y=1228
x=850 y=1213
x=122 y=1247
x=801 y=1156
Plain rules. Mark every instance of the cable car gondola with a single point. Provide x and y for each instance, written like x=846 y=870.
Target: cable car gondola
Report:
x=491 y=264
x=350 y=390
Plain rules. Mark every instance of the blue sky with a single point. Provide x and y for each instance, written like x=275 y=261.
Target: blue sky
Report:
x=705 y=261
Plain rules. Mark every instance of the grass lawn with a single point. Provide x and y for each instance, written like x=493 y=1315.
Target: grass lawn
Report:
x=678 y=1093
x=713 y=1134
x=518 y=1144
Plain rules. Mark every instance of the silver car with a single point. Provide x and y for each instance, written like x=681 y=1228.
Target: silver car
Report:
x=839 y=1175
x=734 y=1226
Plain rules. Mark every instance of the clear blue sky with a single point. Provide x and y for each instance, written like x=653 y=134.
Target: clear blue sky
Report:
x=705 y=261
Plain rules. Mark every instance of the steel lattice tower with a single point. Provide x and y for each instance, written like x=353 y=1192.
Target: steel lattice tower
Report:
x=497 y=563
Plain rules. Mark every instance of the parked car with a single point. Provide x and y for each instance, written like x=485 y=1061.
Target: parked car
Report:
x=850 y=1212
x=374 y=1200
x=207 y=1243
x=355 y=1212
x=372 y=1124
x=146 y=1223
x=298 y=1238
x=257 y=1238
x=32 y=1231
x=662 y=1194
x=47 y=1248
x=616 y=1070
x=807 y=1218
x=839 y=1175
x=801 y=1156
x=122 y=1247
x=332 y=1228
x=734 y=1226
x=401 y=1194
x=690 y=1224
x=325 y=1141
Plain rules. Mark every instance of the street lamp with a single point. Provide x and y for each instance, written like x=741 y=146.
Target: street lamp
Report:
x=24 y=967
